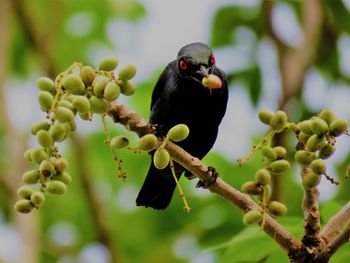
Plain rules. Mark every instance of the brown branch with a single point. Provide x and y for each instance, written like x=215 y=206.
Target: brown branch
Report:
x=339 y=240
x=133 y=122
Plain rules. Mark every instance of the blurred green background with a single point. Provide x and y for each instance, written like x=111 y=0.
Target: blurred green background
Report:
x=290 y=55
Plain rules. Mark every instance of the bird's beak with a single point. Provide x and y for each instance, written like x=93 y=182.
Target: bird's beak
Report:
x=210 y=81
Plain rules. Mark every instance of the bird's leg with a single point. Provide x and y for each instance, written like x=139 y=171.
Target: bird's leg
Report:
x=213 y=176
x=159 y=130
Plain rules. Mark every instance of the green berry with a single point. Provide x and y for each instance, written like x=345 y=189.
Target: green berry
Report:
x=304 y=157
x=280 y=152
x=127 y=72
x=85 y=116
x=38 y=155
x=112 y=91
x=108 y=63
x=178 y=133
x=81 y=104
x=161 y=158
x=66 y=104
x=269 y=153
x=251 y=188
x=56 y=187
x=279 y=166
x=31 y=177
x=303 y=137
x=46 y=84
x=127 y=88
x=305 y=127
x=315 y=142
x=63 y=114
x=327 y=115
x=311 y=180
x=98 y=105
x=267 y=191
x=278 y=121
x=23 y=206
x=45 y=99
x=73 y=84
x=25 y=192
x=326 y=151
x=47 y=168
x=119 y=142
x=277 y=208
x=263 y=176
x=318 y=166
x=87 y=75
x=265 y=116
x=27 y=155
x=252 y=217
x=64 y=177
x=58 y=132
x=99 y=85
x=338 y=127
x=319 y=126
x=148 y=142
x=37 y=198
x=42 y=125
x=44 y=138
x=60 y=164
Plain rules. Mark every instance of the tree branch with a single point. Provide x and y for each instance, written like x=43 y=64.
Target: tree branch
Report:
x=133 y=122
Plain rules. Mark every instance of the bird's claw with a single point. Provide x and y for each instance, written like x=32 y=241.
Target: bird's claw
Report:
x=213 y=176
x=158 y=129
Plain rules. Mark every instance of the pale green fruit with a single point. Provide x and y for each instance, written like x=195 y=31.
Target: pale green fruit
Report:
x=315 y=143
x=280 y=152
x=47 y=168
x=178 y=133
x=38 y=155
x=279 y=166
x=326 y=151
x=161 y=159
x=31 y=177
x=318 y=166
x=62 y=114
x=251 y=188
x=46 y=84
x=319 y=126
x=127 y=72
x=42 y=125
x=112 y=91
x=311 y=180
x=73 y=84
x=99 y=85
x=265 y=116
x=87 y=75
x=305 y=127
x=327 y=115
x=119 y=142
x=44 y=138
x=58 y=132
x=45 y=100
x=277 y=208
x=23 y=206
x=269 y=153
x=338 y=127
x=98 y=105
x=252 y=217
x=81 y=104
x=108 y=63
x=25 y=192
x=60 y=164
x=56 y=187
x=263 y=176
x=304 y=157
x=278 y=121
x=37 y=198
x=127 y=88
x=148 y=142
x=64 y=177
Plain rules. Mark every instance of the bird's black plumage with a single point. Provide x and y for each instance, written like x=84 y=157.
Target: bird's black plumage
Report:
x=180 y=97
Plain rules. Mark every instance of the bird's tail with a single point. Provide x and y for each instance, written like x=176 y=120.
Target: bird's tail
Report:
x=158 y=188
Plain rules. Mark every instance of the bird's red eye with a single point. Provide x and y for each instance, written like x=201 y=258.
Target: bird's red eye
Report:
x=182 y=64
x=212 y=59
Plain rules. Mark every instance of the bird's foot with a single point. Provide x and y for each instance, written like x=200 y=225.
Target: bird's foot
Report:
x=213 y=176
x=159 y=130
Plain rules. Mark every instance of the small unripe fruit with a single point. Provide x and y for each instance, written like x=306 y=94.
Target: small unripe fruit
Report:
x=327 y=115
x=267 y=191
x=37 y=198
x=112 y=91
x=27 y=155
x=315 y=143
x=252 y=217
x=127 y=88
x=108 y=63
x=305 y=127
x=280 y=152
x=99 y=85
x=23 y=206
x=81 y=104
x=58 y=132
x=212 y=82
x=338 y=127
x=161 y=158
x=127 y=72
x=304 y=157
x=263 y=177
x=303 y=137
x=269 y=153
x=64 y=177
x=265 y=116
x=318 y=166
x=42 y=125
x=178 y=133
x=31 y=177
x=98 y=105
x=85 y=116
x=46 y=84
x=44 y=138
x=311 y=180
x=56 y=187
x=278 y=121
x=45 y=99
x=63 y=114
x=87 y=75
x=251 y=188
x=25 y=192
x=66 y=104
x=60 y=164
x=326 y=151
x=73 y=84
x=148 y=142
x=277 y=209
x=47 y=168
x=279 y=166
x=319 y=126
x=119 y=142
x=38 y=155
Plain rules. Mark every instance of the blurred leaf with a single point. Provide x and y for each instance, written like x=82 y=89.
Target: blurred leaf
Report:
x=339 y=14
x=342 y=255
x=329 y=209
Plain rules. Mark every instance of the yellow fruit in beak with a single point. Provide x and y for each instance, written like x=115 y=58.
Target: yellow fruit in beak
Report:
x=212 y=82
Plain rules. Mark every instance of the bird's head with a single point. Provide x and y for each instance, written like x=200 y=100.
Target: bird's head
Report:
x=196 y=62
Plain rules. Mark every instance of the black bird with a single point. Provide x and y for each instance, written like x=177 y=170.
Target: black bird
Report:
x=180 y=97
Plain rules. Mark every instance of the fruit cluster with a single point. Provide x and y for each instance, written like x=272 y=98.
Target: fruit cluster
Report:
x=79 y=90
